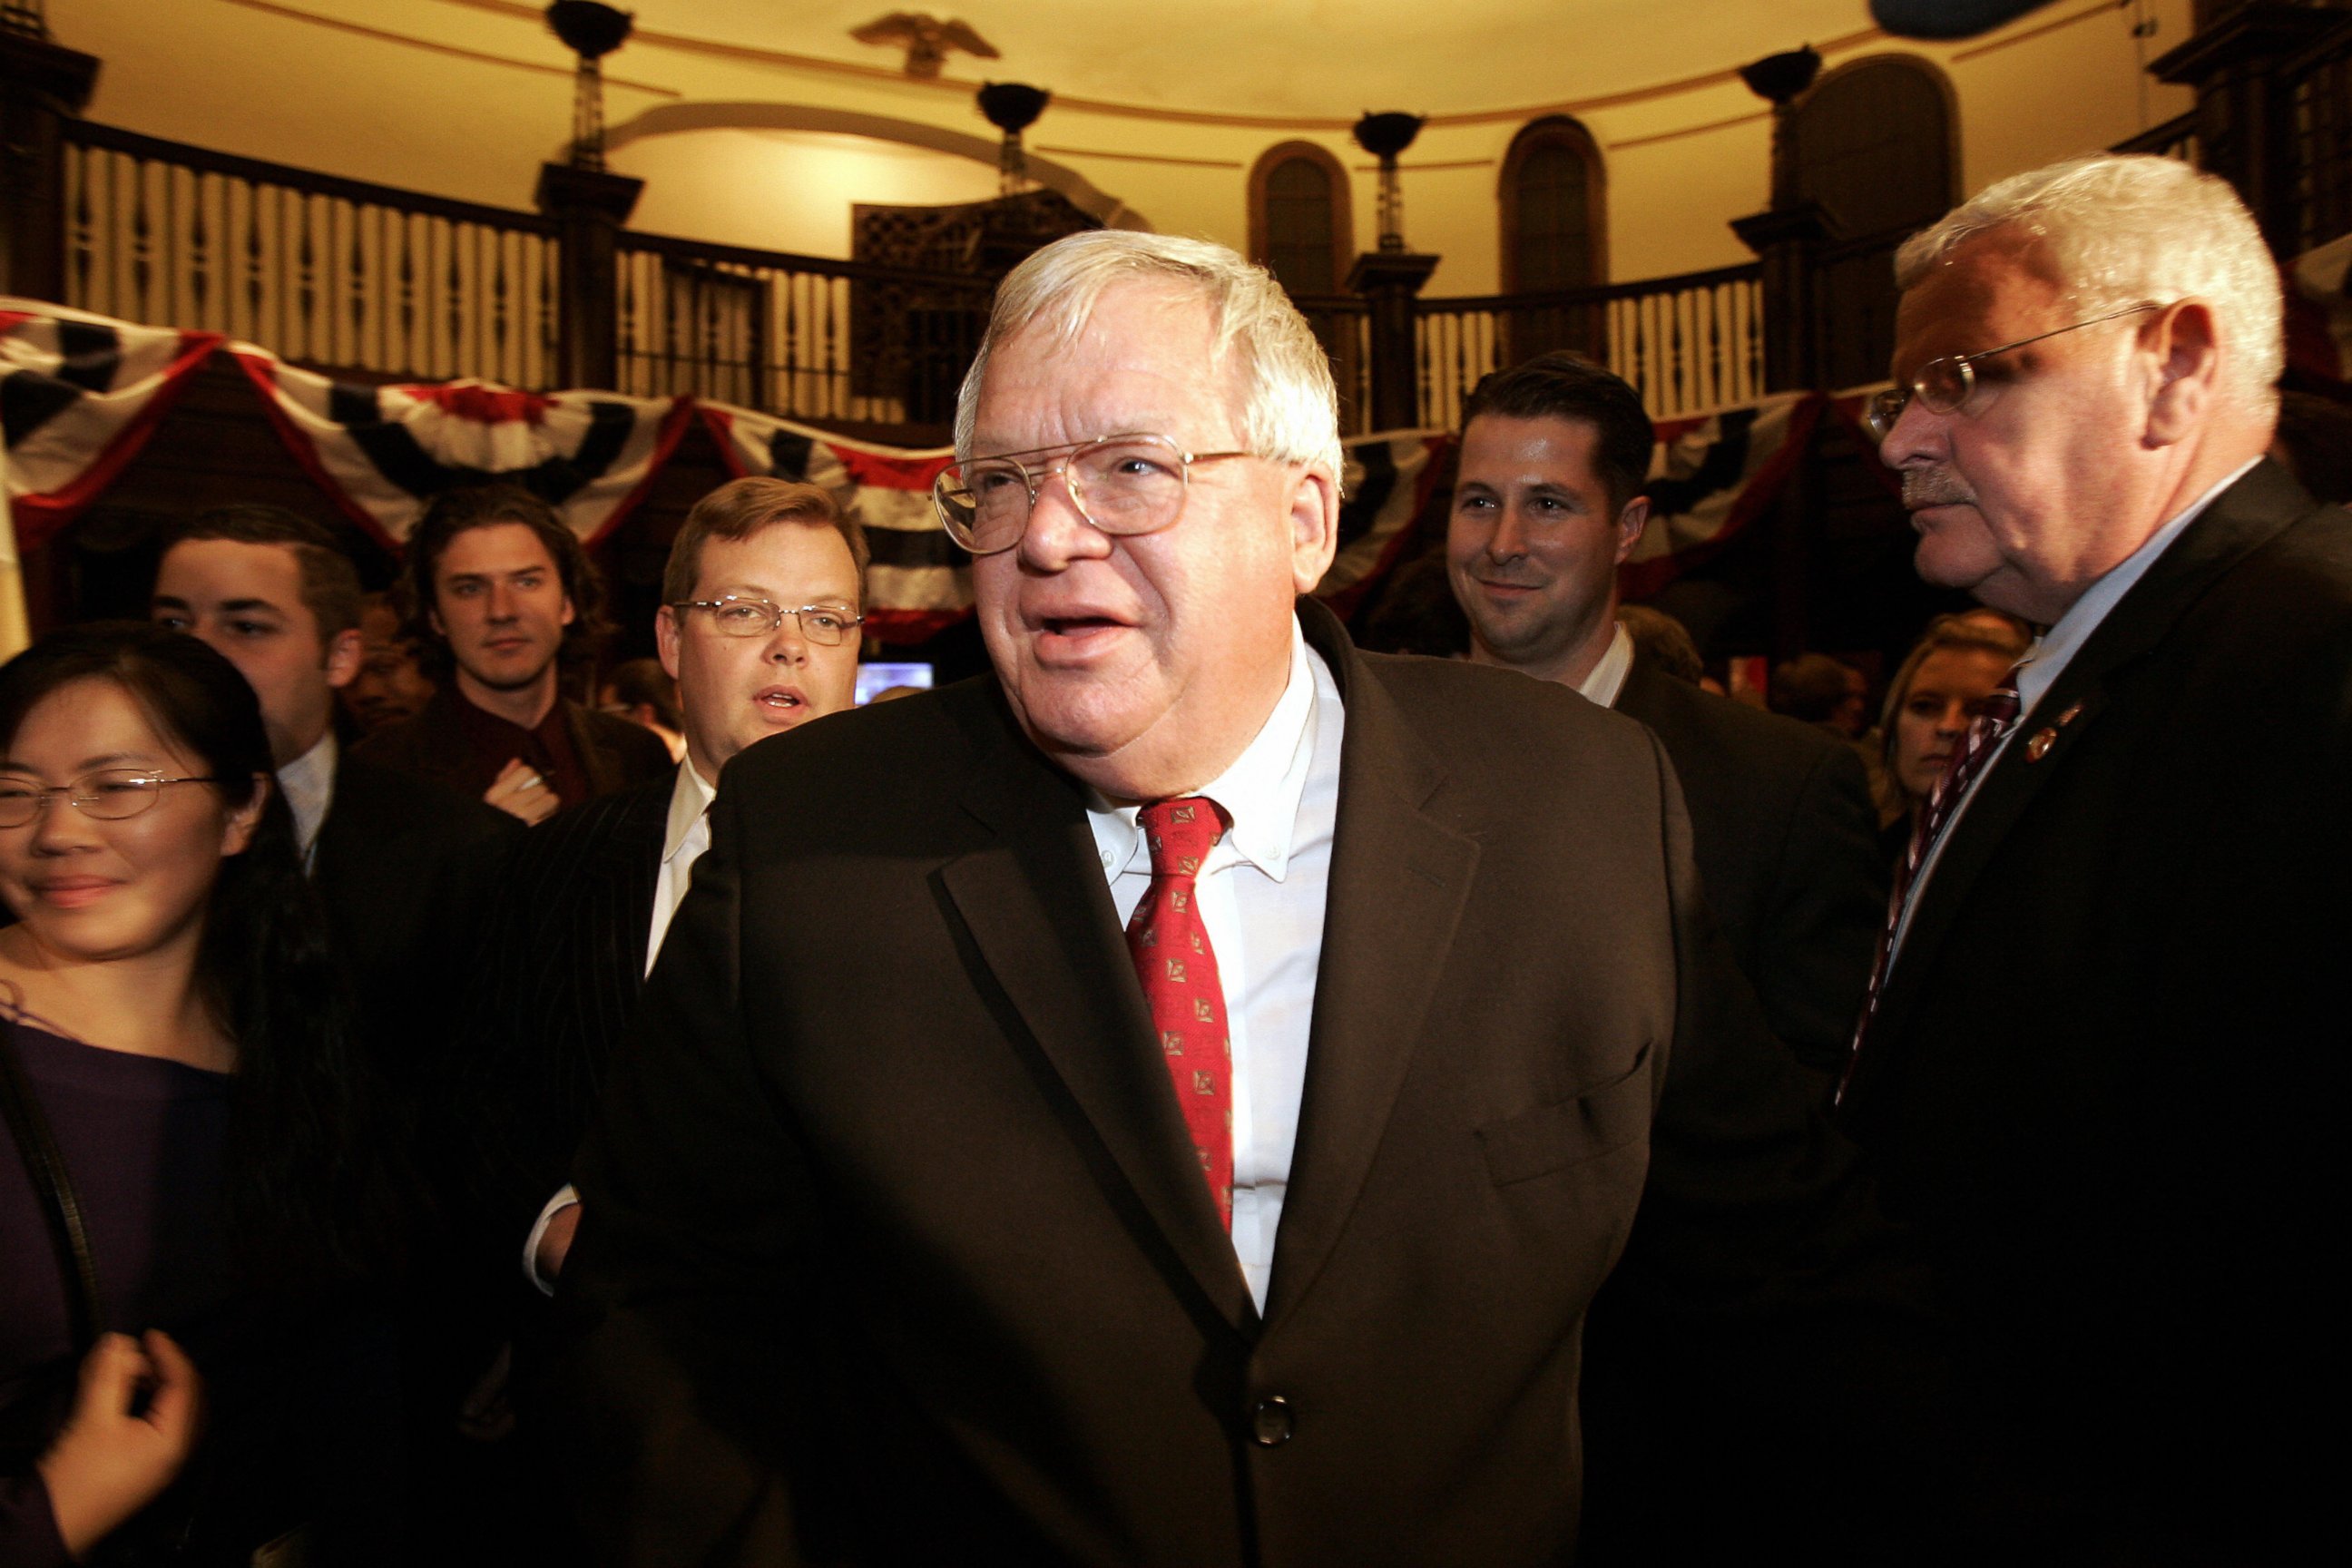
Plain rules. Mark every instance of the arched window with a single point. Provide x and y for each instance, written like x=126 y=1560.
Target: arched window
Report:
x=1555 y=232
x=1873 y=145
x=1301 y=228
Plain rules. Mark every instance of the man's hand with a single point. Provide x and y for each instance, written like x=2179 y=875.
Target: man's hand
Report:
x=555 y=1242
x=519 y=791
x=108 y=1463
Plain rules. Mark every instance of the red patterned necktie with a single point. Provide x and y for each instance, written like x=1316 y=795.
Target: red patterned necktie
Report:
x=1969 y=759
x=1179 y=971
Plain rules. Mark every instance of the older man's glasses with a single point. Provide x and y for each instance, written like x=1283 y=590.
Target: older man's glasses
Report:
x=741 y=616
x=1120 y=484
x=109 y=794
x=1944 y=385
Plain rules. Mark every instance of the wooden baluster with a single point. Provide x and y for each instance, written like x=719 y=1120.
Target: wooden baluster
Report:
x=794 y=286
x=141 y=270
x=452 y=240
x=498 y=306
x=547 y=348
x=167 y=253
x=1754 y=296
x=1641 y=376
x=407 y=295
x=84 y=242
x=199 y=262
x=834 y=375
x=359 y=284
x=306 y=264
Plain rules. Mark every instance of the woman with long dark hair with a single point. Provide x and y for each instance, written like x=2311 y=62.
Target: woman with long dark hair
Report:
x=186 y=1152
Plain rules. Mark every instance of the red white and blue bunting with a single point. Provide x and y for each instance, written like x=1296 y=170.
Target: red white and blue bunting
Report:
x=80 y=393
x=78 y=396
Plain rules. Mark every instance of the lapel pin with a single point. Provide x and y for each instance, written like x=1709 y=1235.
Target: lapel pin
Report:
x=2039 y=747
x=2068 y=717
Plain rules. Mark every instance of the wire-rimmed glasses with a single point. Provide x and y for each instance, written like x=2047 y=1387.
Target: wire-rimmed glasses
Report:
x=109 y=795
x=744 y=615
x=1134 y=483
x=1944 y=385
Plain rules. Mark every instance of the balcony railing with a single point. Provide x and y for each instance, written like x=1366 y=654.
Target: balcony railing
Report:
x=327 y=271
x=2321 y=85
x=1686 y=343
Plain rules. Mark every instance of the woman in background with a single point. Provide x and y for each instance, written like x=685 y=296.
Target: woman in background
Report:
x=185 y=1158
x=1939 y=688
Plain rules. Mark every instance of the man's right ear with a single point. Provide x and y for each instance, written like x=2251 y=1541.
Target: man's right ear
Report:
x=665 y=640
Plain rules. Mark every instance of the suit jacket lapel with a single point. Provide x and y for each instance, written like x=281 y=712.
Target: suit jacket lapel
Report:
x=1040 y=912
x=1399 y=881
x=2242 y=520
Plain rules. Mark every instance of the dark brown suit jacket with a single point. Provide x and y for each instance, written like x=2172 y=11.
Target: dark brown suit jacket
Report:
x=896 y=1248
x=614 y=753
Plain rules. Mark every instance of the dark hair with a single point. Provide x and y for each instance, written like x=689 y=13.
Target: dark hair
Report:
x=331 y=584
x=456 y=511
x=1666 y=641
x=1564 y=385
x=643 y=683
x=309 y=1198
x=1811 y=687
x=741 y=508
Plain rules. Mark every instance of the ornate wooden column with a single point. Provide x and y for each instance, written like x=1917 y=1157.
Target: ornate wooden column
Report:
x=42 y=85
x=1388 y=280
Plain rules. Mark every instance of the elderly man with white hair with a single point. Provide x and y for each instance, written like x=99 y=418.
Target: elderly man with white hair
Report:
x=2104 y=1068
x=1172 y=1101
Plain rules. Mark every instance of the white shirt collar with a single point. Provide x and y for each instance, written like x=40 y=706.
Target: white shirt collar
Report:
x=1607 y=679
x=689 y=800
x=2049 y=656
x=309 y=781
x=1260 y=791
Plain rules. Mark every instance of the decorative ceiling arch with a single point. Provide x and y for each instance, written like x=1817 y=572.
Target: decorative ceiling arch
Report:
x=673 y=118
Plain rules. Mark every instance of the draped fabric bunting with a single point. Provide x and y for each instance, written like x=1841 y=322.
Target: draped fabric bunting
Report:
x=80 y=393
x=383 y=452
x=1711 y=476
x=919 y=581
x=78 y=396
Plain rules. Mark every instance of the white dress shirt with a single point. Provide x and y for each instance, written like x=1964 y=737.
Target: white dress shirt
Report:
x=1606 y=682
x=2039 y=670
x=1262 y=891
x=308 y=783
x=685 y=837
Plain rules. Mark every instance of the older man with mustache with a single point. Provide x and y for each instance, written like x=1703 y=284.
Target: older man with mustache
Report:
x=2102 y=1064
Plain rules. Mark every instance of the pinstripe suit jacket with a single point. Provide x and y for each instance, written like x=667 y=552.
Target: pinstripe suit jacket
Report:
x=563 y=971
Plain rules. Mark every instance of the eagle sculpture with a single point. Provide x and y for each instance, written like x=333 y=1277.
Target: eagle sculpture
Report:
x=927 y=39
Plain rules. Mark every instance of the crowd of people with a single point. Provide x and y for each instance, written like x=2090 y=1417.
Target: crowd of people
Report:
x=1205 y=1093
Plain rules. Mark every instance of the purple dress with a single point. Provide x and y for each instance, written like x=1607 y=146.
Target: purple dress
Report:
x=143 y=1140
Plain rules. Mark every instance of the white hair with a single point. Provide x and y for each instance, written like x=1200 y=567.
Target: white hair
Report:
x=1290 y=409
x=2126 y=229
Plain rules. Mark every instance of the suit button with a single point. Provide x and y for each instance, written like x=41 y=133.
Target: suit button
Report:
x=1270 y=1421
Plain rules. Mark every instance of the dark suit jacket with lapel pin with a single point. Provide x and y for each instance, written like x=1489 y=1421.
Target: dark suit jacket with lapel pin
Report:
x=896 y=1248
x=2107 y=1079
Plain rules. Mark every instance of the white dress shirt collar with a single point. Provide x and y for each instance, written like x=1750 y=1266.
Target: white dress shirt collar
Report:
x=1606 y=681
x=1260 y=791
x=309 y=781
x=689 y=803
x=2055 y=648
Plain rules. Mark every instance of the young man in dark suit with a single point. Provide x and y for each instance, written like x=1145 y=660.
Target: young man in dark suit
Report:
x=1547 y=502
x=2106 y=1071
x=1173 y=1101
x=500 y=595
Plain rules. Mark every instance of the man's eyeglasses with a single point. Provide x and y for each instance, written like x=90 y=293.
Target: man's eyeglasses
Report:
x=109 y=794
x=1120 y=484
x=739 y=616
x=1944 y=385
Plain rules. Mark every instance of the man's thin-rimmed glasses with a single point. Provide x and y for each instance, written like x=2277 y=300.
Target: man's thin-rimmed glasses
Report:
x=109 y=795
x=1944 y=385
x=1121 y=484
x=741 y=616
